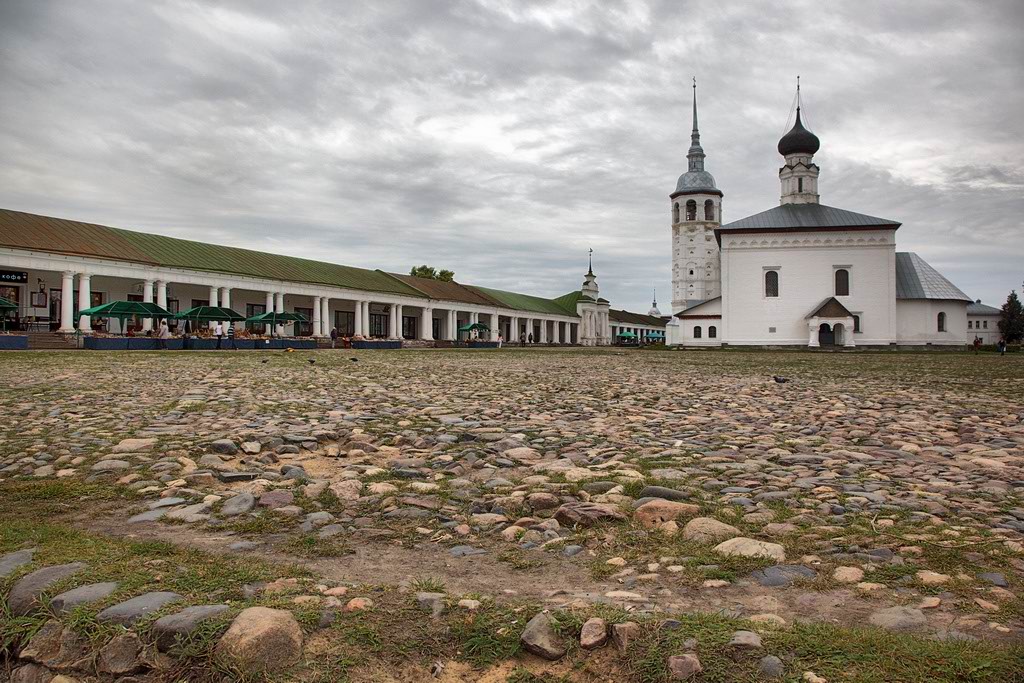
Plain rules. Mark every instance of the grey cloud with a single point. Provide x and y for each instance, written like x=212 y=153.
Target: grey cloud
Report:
x=505 y=139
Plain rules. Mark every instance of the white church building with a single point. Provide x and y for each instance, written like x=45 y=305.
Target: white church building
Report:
x=802 y=273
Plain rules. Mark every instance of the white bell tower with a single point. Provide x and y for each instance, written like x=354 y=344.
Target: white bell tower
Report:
x=696 y=207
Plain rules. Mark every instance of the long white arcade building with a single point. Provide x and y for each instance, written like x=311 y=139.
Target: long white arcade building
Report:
x=53 y=267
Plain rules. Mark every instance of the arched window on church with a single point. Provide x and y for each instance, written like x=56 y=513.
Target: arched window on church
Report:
x=709 y=210
x=771 y=283
x=942 y=322
x=842 y=282
x=696 y=332
x=799 y=184
x=712 y=332
x=675 y=212
x=691 y=210
x=691 y=272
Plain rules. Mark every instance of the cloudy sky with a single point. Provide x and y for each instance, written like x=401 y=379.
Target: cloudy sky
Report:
x=503 y=138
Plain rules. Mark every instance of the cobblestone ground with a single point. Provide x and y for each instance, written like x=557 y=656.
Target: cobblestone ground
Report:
x=881 y=489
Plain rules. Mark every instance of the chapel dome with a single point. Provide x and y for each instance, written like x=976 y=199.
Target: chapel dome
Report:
x=798 y=140
x=696 y=181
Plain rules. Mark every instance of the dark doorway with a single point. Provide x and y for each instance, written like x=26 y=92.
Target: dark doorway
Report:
x=826 y=337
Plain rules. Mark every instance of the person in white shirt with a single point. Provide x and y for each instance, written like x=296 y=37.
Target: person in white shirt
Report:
x=218 y=332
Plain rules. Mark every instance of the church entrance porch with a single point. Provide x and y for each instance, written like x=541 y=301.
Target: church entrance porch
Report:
x=826 y=337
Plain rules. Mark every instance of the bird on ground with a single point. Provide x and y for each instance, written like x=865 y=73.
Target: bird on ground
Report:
x=312 y=360
x=354 y=360
x=780 y=380
x=264 y=361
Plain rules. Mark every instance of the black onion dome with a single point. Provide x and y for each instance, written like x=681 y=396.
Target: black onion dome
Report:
x=798 y=139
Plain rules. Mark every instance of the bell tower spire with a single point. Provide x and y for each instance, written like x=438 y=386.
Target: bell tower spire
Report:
x=695 y=155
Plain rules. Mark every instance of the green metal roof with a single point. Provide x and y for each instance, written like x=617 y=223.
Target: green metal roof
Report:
x=179 y=253
x=525 y=302
x=22 y=230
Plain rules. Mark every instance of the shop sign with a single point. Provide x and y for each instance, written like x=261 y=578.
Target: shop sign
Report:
x=13 y=276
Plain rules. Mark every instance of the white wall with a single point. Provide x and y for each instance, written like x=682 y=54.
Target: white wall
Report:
x=806 y=262
x=918 y=322
x=989 y=335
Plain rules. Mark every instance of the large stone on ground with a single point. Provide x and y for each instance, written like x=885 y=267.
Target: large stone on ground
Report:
x=587 y=514
x=708 y=530
x=83 y=595
x=523 y=454
x=31 y=673
x=349 y=489
x=168 y=630
x=745 y=640
x=782 y=574
x=658 y=511
x=748 y=547
x=111 y=465
x=539 y=638
x=624 y=634
x=122 y=655
x=898 y=618
x=134 y=445
x=11 y=561
x=684 y=667
x=664 y=493
x=431 y=602
x=276 y=499
x=238 y=505
x=224 y=446
x=128 y=612
x=262 y=640
x=55 y=646
x=24 y=595
x=594 y=633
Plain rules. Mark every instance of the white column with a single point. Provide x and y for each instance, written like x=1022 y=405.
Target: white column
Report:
x=366 y=319
x=317 y=322
x=357 y=323
x=399 y=314
x=67 y=303
x=325 y=316
x=451 y=329
x=147 y=297
x=84 y=302
x=213 y=302
x=269 y=309
x=556 y=332
x=225 y=302
x=812 y=328
x=493 y=336
x=279 y=308
x=543 y=331
x=161 y=294
x=848 y=333
x=426 y=328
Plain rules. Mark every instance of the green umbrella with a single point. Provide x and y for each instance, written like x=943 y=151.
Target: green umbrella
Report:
x=474 y=326
x=126 y=309
x=626 y=335
x=209 y=314
x=275 y=318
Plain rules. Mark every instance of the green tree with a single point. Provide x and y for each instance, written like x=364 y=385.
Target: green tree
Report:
x=433 y=273
x=1011 y=320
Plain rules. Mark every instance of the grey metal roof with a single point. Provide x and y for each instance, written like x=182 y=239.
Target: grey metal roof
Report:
x=915 y=279
x=807 y=216
x=978 y=308
x=697 y=181
x=694 y=303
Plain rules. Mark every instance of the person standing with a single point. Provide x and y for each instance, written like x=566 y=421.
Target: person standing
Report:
x=231 y=336
x=500 y=339
x=1002 y=347
x=529 y=339
x=522 y=339
x=977 y=345
x=334 y=336
x=165 y=334
x=218 y=332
